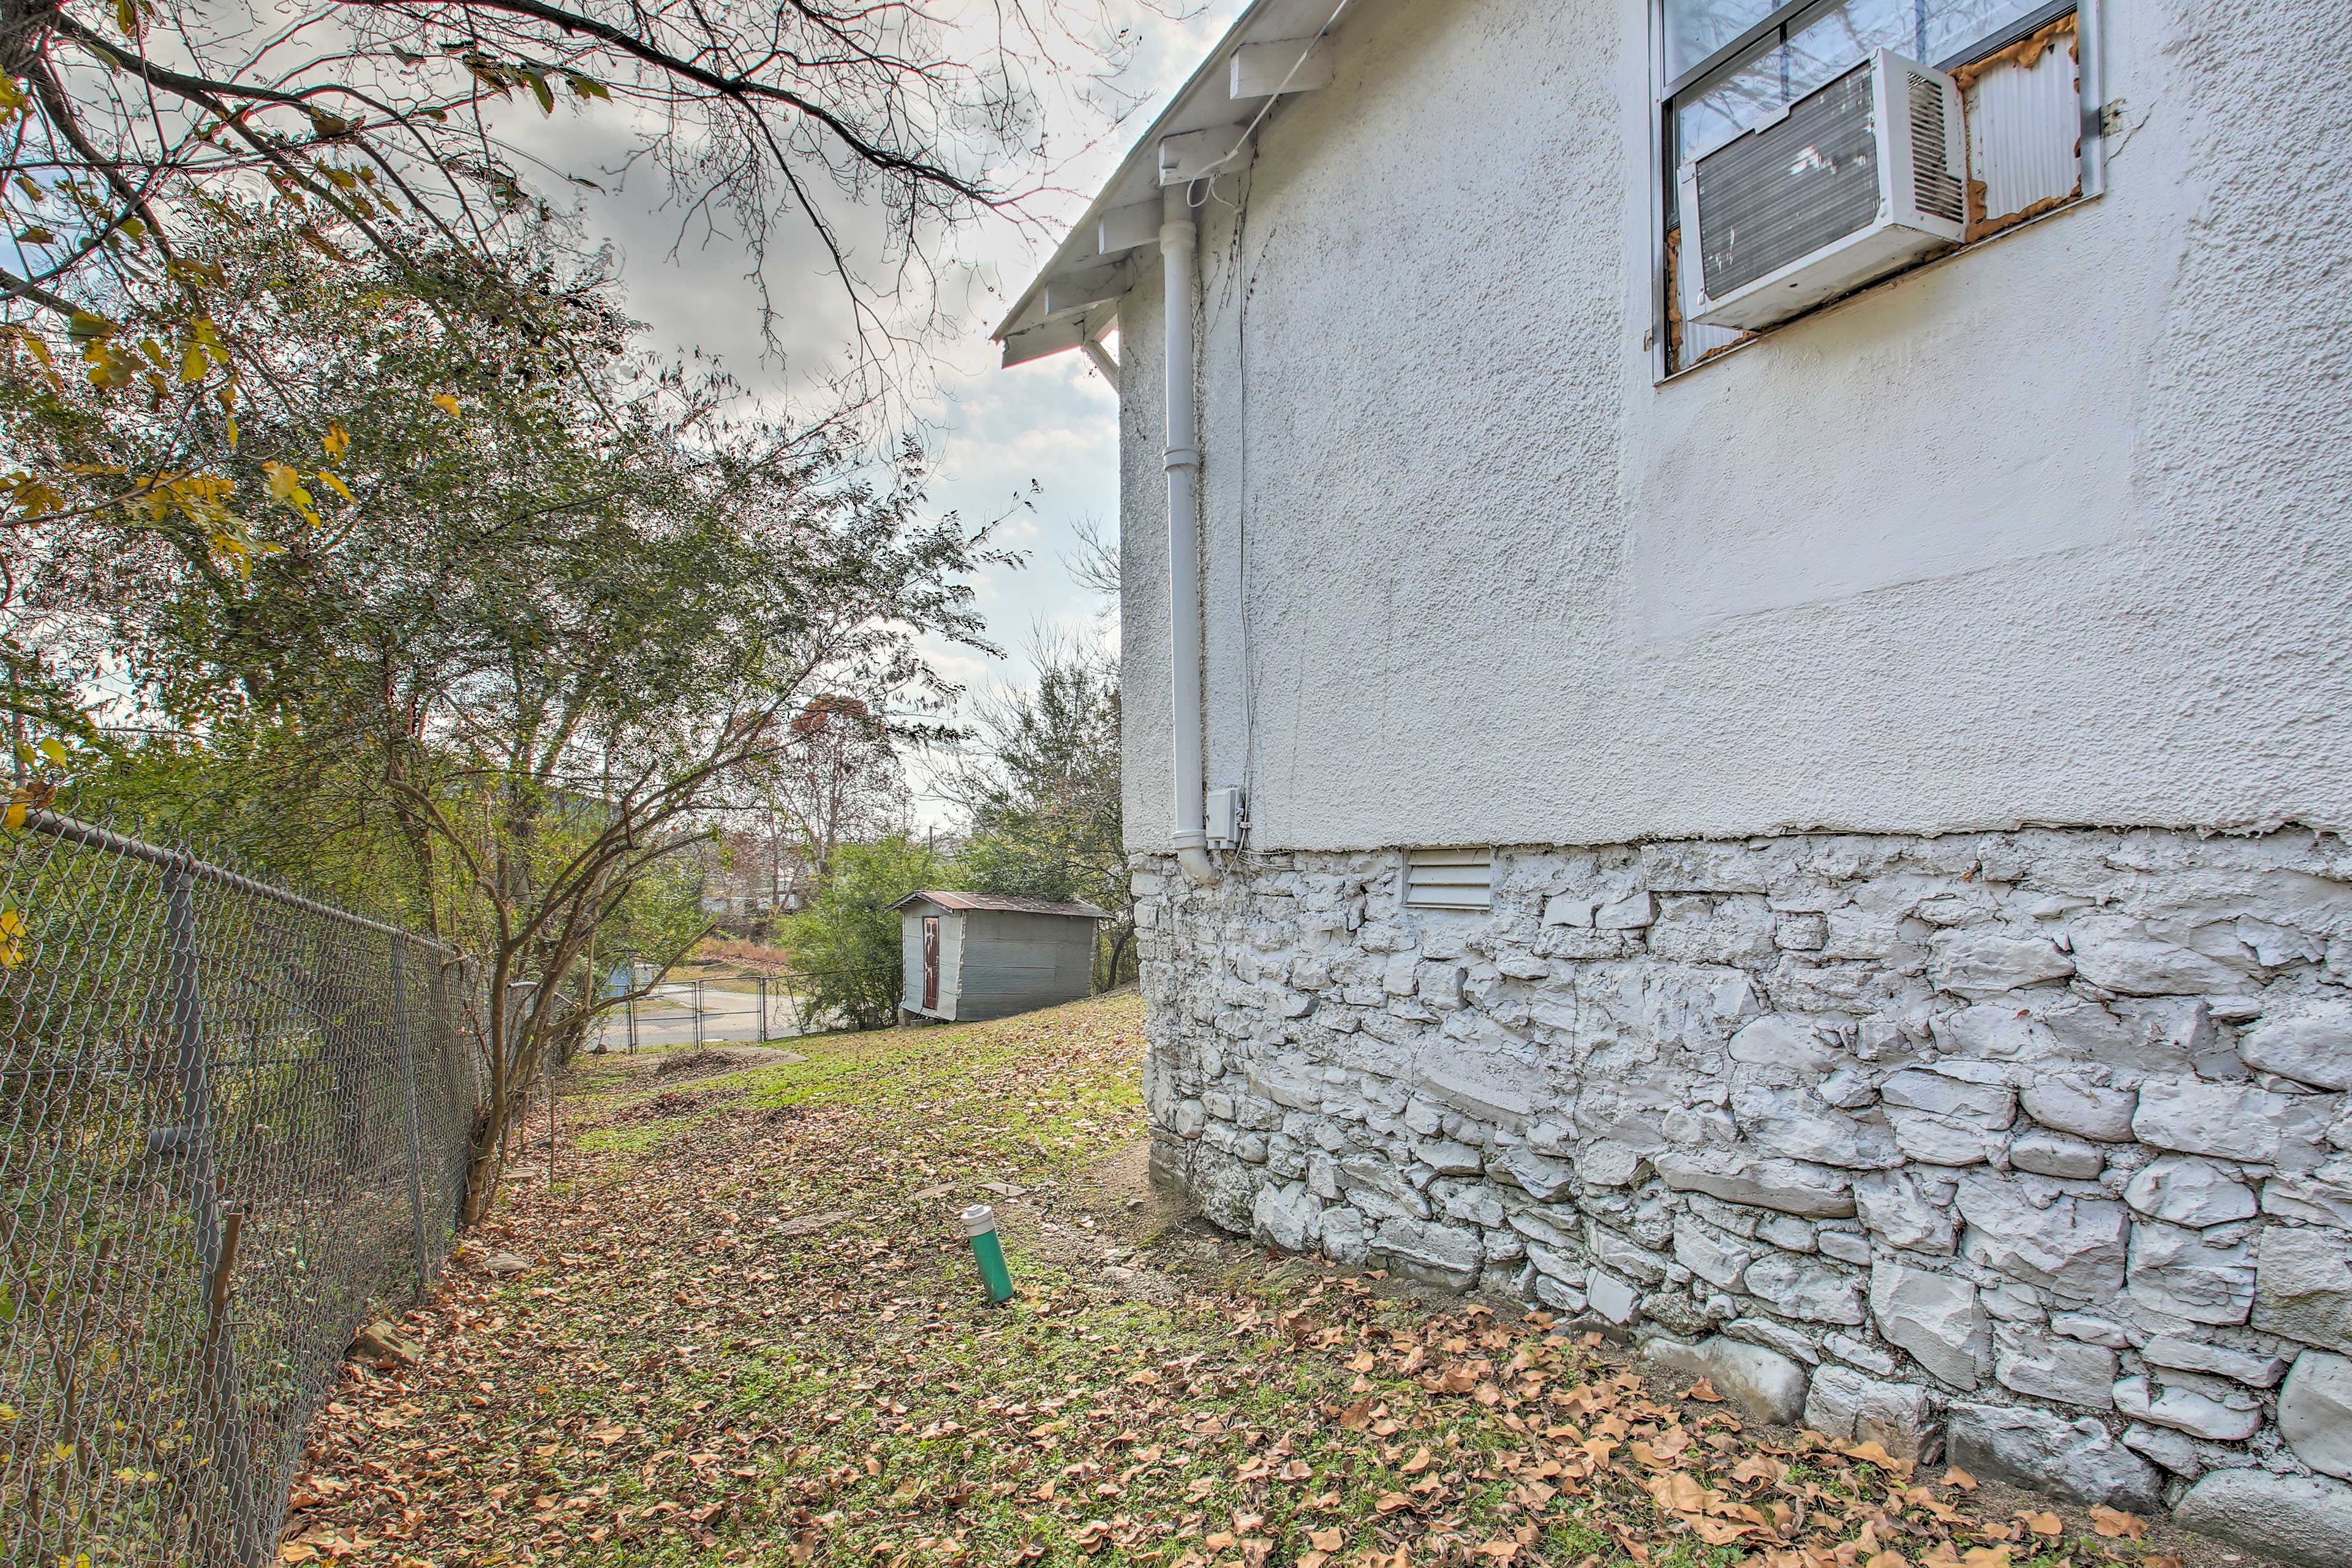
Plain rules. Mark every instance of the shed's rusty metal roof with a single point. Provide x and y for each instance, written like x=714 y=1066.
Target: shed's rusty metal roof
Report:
x=1004 y=903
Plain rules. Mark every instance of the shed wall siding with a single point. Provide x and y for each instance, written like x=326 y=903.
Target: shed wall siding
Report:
x=1017 y=961
x=2053 y=531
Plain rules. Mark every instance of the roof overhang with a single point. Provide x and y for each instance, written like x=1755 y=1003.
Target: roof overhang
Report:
x=1273 y=49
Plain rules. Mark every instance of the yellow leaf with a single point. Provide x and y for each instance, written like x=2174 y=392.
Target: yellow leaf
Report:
x=13 y=820
x=337 y=440
x=338 y=486
x=231 y=435
x=193 y=364
x=54 y=749
x=446 y=404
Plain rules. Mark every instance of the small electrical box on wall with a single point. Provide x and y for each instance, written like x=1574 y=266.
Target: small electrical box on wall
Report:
x=1227 y=818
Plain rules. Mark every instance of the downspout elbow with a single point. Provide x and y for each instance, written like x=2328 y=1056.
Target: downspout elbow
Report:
x=1199 y=870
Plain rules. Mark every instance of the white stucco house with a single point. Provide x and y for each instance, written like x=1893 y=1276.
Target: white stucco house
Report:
x=1738 y=703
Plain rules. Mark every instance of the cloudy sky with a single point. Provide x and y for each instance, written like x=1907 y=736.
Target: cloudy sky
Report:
x=1039 y=442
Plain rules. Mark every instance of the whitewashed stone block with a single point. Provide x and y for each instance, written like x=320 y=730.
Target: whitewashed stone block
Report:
x=2303 y=1285
x=1775 y=1336
x=1794 y=1124
x=1934 y=1317
x=1780 y=1040
x=1631 y=913
x=2047 y=1366
x=1940 y=1140
x=1763 y=1384
x=1799 y=1286
x=2316 y=1198
x=2074 y=1245
x=2235 y=1122
x=1987 y=962
x=2309 y=1041
x=2297 y=1519
x=1448 y=1158
x=1844 y=1406
x=1890 y=1204
x=1541 y=1177
x=2185 y=1410
x=1442 y=1255
x=2086 y=1109
x=2315 y=1412
x=2120 y=955
x=1737 y=1176
x=2047 y=1154
x=1709 y=1255
x=1974 y=1099
x=2177 y=1271
x=1628 y=1257
x=1612 y=1298
x=2077 y=1459
x=2176 y=1452
x=2195 y=1355
x=1287 y=1217
x=2182 y=1190
x=1346 y=1241
x=1861 y=1354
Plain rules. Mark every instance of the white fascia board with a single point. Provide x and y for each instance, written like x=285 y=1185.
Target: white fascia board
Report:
x=1205 y=102
x=1292 y=65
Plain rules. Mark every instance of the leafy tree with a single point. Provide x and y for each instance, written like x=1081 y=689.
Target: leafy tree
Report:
x=839 y=781
x=377 y=136
x=537 y=630
x=846 y=946
x=1043 y=805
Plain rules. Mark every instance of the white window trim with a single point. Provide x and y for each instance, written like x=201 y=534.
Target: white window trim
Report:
x=1656 y=175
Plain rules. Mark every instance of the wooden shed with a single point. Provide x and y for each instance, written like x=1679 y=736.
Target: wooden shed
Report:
x=970 y=956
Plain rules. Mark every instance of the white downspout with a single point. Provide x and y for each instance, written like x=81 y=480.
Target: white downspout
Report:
x=1178 y=240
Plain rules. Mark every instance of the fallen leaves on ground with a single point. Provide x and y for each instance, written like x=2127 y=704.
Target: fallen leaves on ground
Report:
x=753 y=1334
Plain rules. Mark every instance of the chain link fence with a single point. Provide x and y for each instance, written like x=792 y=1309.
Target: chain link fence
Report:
x=233 y=1121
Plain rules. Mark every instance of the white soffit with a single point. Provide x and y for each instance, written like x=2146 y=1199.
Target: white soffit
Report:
x=1093 y=261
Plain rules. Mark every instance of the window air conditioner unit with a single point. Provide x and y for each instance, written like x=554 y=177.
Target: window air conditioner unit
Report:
x=1849 y=183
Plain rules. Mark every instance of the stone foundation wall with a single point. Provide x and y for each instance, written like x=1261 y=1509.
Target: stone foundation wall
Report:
x=2032 y=1145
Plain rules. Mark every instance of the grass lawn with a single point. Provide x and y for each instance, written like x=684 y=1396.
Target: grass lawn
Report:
x=752 y=1333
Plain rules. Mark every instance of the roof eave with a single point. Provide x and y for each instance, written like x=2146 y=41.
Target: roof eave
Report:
x=1080 y=250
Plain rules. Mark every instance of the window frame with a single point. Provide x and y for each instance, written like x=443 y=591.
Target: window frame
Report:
x=1664 y=155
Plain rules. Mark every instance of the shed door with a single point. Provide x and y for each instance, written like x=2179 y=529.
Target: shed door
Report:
x=930 y=961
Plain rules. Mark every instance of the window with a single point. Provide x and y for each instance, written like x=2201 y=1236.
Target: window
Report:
x=1449 y=879
x=1728 y=66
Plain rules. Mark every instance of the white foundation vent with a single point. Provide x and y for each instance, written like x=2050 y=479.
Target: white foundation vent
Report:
x=1449 y=879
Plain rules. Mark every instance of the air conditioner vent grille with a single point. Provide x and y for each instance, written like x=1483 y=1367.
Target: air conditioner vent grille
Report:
x=1934 y=187
x=1779 y=194
x=1449 y=879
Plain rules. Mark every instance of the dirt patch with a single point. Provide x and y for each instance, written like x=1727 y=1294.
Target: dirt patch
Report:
x=672 y=1103
x=724 y=1058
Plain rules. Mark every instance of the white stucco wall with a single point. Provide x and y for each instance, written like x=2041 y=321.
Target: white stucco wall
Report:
x=2053 y=531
